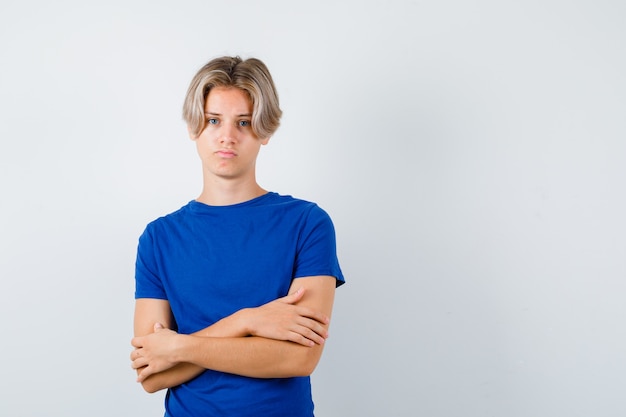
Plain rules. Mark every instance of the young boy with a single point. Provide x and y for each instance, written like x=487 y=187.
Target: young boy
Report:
x=234 y=290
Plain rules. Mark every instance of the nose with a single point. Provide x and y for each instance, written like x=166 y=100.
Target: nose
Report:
x=227 y=135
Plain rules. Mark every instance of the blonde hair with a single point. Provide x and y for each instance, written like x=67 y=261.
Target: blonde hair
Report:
x=250 y=75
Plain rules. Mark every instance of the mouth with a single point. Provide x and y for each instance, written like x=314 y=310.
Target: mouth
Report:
x=225 y=153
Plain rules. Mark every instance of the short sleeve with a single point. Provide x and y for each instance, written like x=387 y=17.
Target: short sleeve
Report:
x=147 y=281
x=317 y=249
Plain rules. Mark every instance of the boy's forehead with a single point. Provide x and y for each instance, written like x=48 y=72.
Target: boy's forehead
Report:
x=228 y=99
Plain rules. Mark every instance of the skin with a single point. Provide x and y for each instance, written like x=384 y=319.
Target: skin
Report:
x=228 y=149
x=283 y=338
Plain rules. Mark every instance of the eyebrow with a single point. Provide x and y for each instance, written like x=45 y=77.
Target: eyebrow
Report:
x=208 y=113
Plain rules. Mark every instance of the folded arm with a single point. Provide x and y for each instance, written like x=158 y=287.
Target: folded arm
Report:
x=288 y=342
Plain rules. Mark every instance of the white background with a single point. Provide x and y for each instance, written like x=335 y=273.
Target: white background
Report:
x=471 y=154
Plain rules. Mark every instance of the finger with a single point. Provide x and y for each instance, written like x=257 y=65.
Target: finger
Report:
x=293 y=297
x=134 y=354
x=301 y=340
x=306 y=338
x=139 y=363
x=136 y=342
x=145 y=373
x=312 y=314
x=316 y=337
x=314 y=327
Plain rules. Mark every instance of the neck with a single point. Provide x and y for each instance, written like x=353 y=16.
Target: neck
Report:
x=223 y=192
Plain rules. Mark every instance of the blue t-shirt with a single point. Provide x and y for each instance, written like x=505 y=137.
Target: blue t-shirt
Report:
x=211 y=261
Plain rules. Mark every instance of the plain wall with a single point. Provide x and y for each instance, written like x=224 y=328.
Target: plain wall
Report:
x=471 y=154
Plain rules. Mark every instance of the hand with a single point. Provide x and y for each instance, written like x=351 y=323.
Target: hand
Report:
x=154 y=352
x=281 y=319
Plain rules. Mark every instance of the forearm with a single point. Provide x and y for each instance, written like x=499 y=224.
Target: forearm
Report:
x=172 y=377
x=255 y=357
x=283 y=338
x=231 y=326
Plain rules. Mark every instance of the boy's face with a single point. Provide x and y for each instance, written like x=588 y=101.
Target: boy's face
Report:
x=227 y=146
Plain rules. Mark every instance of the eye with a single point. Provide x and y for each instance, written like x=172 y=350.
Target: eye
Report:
x=244 y=123
x=212 y=121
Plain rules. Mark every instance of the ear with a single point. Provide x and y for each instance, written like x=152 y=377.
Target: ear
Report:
x=265 y=141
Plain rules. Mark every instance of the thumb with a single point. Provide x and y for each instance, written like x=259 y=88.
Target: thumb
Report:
x=294 y=297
